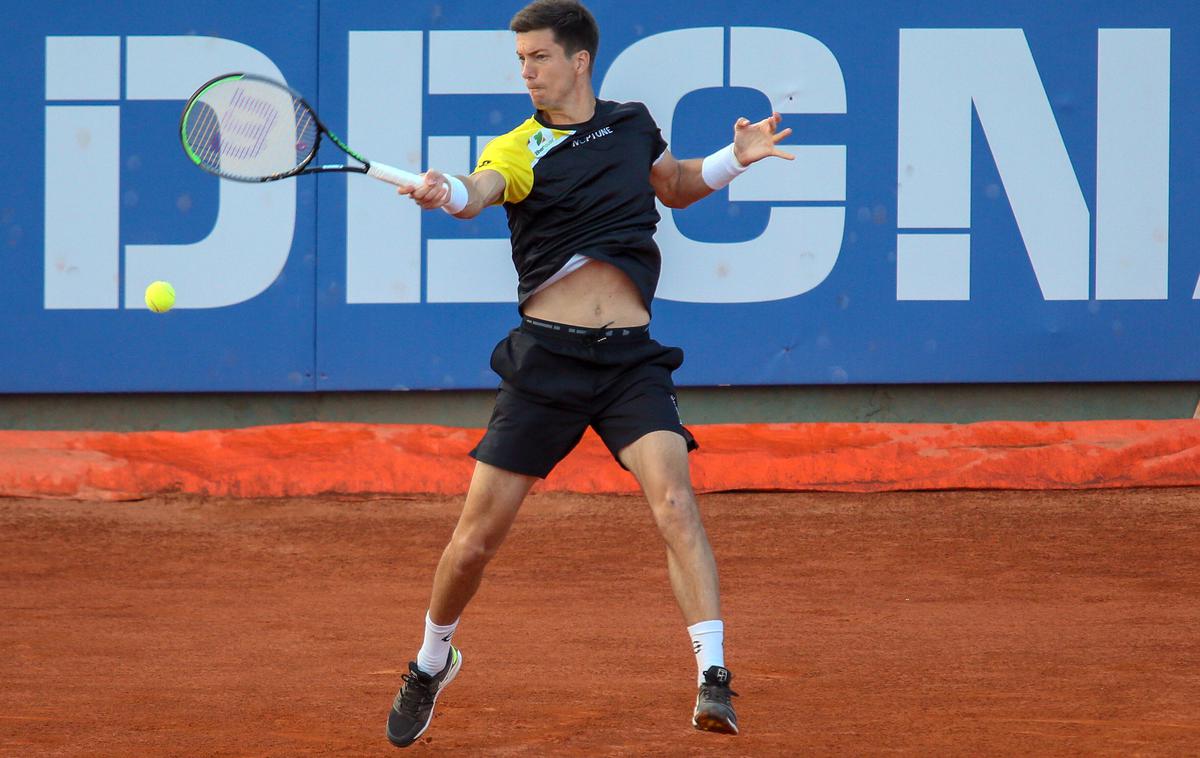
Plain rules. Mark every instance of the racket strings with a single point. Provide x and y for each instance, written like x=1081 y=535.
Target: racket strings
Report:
x=240 y=129
x=247 y=122
x=306 y=131
x=203 y=136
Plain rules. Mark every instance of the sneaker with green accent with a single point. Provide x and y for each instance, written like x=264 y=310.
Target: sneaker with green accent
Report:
x=412 y=710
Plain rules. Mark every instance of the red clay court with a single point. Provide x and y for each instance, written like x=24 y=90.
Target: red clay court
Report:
x=966 y=623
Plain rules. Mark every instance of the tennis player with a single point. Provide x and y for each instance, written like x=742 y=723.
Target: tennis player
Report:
x=578 y=181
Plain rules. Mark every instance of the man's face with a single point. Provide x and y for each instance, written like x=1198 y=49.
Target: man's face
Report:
x=549 y=74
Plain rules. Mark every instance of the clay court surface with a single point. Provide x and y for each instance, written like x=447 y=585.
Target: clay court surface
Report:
x=997 y=623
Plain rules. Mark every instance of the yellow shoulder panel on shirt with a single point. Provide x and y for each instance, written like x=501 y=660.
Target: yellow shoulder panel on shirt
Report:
x=514 y=155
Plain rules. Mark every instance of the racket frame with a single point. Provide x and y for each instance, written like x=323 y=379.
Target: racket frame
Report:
x=382 y=171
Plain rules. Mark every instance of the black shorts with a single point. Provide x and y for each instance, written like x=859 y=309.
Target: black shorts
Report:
x=556 y=380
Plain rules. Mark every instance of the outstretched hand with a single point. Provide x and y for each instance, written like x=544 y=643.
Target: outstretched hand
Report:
x=753 y=142
x=433 y=191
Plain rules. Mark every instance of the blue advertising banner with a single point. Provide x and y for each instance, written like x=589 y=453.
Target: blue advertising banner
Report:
x=981 y=193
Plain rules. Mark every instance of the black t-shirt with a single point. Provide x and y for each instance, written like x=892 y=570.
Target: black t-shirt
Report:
x=581 y=189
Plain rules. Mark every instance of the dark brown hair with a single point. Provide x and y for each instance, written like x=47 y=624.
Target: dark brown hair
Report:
x=573 y=25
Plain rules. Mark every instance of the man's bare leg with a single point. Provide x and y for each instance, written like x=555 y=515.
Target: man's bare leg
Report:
x=493 y=499
x=659 y=461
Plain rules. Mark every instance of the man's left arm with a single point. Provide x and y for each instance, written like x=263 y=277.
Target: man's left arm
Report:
x=679 y=183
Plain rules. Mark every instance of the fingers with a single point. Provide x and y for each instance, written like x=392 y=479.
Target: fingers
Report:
x=769 y=123
x=759 y=140
x=433 y=191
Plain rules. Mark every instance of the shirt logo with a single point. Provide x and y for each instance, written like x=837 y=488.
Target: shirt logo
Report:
x=543 y=141
x=594 y=135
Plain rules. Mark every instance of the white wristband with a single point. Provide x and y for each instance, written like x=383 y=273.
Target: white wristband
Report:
x=721 y=168
x=459 y=197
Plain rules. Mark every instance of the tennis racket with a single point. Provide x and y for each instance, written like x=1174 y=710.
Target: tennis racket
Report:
x=252 y=129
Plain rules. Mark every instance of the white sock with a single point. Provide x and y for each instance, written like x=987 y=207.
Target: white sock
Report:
x=708 y=643
x=436 y=648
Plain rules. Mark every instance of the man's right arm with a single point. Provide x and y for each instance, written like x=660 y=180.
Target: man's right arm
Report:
x=483 y=188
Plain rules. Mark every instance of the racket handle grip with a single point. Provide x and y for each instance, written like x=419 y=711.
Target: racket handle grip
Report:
x=393 y=175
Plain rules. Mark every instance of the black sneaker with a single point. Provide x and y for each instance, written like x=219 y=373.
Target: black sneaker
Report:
x=412 y=709
x=714 y=711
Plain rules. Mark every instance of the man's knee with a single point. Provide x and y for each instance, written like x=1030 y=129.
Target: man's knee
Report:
x=472 y=554
x=675 y=510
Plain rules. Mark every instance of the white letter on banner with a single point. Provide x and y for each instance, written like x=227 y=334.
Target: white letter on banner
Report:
x=478 y=62
x=82 y=252
x=474 y=62
x=83 y=174
x=798 y=248
x=83 y=68
x=250 y=242
x=383 y=231
x=1133 y=141
x=942 y=73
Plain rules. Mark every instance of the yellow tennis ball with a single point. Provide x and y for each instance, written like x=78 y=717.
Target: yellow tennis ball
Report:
x=160 y=296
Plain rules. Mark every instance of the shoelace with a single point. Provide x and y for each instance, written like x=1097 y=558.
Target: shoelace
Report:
x=413 y=695
x=717 y=693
